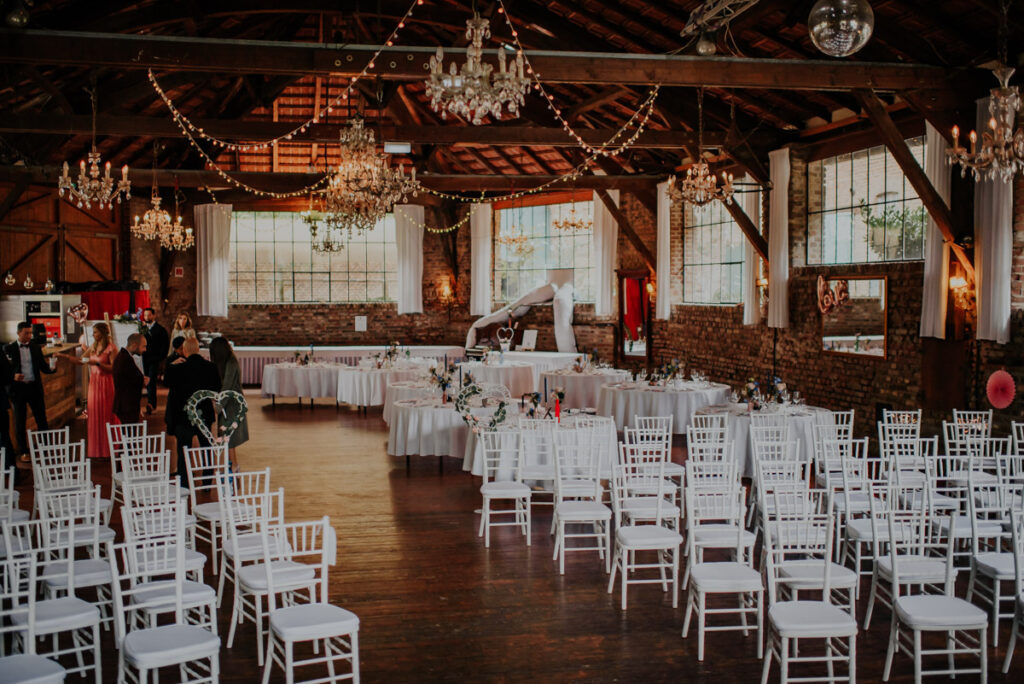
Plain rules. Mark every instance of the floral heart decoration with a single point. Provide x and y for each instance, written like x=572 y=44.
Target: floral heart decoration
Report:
x=505 y=334
x=79 y=312
x=230 y=407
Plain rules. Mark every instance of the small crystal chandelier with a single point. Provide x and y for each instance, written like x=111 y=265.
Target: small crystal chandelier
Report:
x=178 y=236
x=476 y=90
x=700 y=186
x=322 y=237
x=90 y=187
x=155 y=222
x=363 y=188
x=572 y=222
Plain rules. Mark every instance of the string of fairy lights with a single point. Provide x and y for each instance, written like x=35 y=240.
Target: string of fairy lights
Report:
x=611 y=147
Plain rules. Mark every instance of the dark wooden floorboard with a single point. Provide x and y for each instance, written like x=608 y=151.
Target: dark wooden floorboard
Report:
x=436 y=606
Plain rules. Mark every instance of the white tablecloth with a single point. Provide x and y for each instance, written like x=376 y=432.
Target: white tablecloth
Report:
x=801 y=420
x=624 y=401
x=426 y=427
x=474 y=456
x=582 y=390
x=406 y=389
x=306 y=382
x=253 y=359
x=368 y=386
x=540 y=360
x=516 y=375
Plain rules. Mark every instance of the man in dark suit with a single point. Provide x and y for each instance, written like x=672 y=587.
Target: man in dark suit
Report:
x=153 y=354
x=28 y=365
x=6 y=376
x=184 y=377
x=128 y=379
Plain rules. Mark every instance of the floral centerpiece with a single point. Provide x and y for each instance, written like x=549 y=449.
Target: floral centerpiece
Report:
x=442 y=379
x=777 y=389
x=132 y=317
x=668 y=371
x=473 y=421
x=558 y=393
x=534 y=399
x=750 y=393
x=581 y=364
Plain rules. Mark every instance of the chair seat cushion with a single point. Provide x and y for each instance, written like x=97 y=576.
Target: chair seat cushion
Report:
x=810 y=574
x=647 y=507
x=673 y=469
x=311 y=621
x=14 y=515
x=860 y=530
x=286 y=574
x=806 y=619
x=725 y=577
x=162 y=592
x=934 y=612
x=965 y=477
x=207 y=511
x=61 y=614
x=194 y=560
x=915 y=569
x=169 y=645
x=84 y=535
x=647 y=537
x=505 y=490
x=722 y=536
x=29 y=669
x=250 y=547
x=860 y=502
x=962 y=527
x=88 y=572
x=994 y=564
x=582 y=511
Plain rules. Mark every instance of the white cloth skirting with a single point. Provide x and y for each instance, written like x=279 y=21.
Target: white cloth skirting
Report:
x=624 y=402
x=407 y=389
x=422 y=428
x=305 y=382
x=582 y=390
x=517 y=377
x=368 y=386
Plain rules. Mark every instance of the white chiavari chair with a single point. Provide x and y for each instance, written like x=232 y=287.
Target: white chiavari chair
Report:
x=716 y=476
x=503 y=455
x=9 y=496
x=142 y=520
x=578 y=495
x=207 y=468
x=860 y=474
x=903 y=417
x=830 y=441
x=47 y=438
x=989 y=508
x=244 y=484
x=18 y=616
x=636 y=503
x=709 y=420
x=537 y=435
x=842 y=421
x=1017 y=536
x=117 y=433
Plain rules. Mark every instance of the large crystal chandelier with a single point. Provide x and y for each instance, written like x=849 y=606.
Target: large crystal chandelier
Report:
x=700 y=187
x=363 y=188
x=1002 y=148
x=476 y=90
x=90 y=188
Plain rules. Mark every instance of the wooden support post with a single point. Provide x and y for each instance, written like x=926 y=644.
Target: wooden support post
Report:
x=627 y=229
x=930 y=198
x=20 y=186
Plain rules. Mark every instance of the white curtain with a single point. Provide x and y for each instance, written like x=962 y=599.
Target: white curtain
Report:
x=778 y=240
x=605 y=247
x=480 y=275
x=213 y=253
x=750 y=203
x=663 y=305
x=993 y=249
x=936 y=253
x=409 y=239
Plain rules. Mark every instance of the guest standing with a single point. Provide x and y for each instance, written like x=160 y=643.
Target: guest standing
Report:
x=157 y=345
x=129 y=379
x=6 y=376
x=183 y=326
x=26 y=391
x=230 y=372
x=185 y=377
x=99 y=356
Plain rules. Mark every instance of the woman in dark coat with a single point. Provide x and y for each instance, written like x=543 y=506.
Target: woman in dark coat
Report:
x=224 y=358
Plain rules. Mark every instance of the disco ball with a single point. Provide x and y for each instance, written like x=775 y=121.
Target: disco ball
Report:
x=840 y=28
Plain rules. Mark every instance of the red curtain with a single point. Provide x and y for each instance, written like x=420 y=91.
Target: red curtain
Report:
x=113 y=303
x=633 y=302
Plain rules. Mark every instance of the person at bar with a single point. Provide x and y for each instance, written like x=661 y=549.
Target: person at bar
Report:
x=28 y=366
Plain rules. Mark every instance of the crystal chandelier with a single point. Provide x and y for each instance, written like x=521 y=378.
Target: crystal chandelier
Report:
x=700 y=186
x=363 y=188
x=155 y=222
x=1002 y=149
x=90 y=188
x=572 y=222
x=178 y=236
x=475 y=90
x=322 y=237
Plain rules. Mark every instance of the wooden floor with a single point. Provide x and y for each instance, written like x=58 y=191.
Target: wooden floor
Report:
x=435 y=605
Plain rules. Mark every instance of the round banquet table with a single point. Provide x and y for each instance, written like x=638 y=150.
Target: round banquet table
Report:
x=474 y=455
x=406 y=389
x=315 y=381
x=582 y=389
x=623 y=401
x=426 y=427
x=517 y=376
x=368 y=386
x=801 y=420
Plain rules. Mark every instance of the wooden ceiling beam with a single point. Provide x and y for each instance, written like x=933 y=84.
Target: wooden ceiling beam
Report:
x=176 y=53
x=627 y=228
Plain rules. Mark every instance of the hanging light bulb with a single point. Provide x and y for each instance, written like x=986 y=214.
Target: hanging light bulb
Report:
x=48 y=286
x=28 y=282
x=9 y=279
x=706 y=45
x=840 y=28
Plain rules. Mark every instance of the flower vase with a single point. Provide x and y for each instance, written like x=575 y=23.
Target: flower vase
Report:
x=505 y=345
x=444 y=396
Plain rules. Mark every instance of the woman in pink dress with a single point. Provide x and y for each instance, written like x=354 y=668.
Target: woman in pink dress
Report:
x=99 y=356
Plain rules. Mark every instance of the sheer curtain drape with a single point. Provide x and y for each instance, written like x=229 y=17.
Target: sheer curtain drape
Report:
x=409 y=241
x=778 y=240
x=605 y=247
x=663 y=305
x=993 y=249
x=936 y=253
x=480 y=276
x=213 y=254
x=750 y=202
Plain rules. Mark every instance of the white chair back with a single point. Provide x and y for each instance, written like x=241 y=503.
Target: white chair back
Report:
x=709 y=420
x=576 y=464
x=47 y=438
x=798 y=533
x=502 y=451
x=207 y=467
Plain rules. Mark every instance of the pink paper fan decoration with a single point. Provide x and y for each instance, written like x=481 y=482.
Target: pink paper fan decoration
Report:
x=1001 y=389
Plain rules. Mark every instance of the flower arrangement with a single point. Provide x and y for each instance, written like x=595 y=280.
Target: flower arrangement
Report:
x=442 y=378
x=391 y=353
x=534 y=399
x=750 y=390
x=474 y=422
x=130 y=317
x=777 y=389
x=669 y=370
x=558 y=393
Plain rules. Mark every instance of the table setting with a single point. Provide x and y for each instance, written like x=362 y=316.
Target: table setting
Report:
x=517 y=376
x=583 y=386
x=368 y=386
x=406 y=389
x=312 y=380
x=663 y=393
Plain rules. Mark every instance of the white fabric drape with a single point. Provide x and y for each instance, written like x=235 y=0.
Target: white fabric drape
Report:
x=562 y=309
x=663 y=305
x=409 y=240
x=993 y=249
x=213 y=253
x=936 y=253
x=778 y=240
x=605 y=248
x=480 y=275
x=750 y=202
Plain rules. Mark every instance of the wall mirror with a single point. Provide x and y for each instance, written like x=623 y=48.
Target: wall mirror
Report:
x=633 y=332
x=853 y=315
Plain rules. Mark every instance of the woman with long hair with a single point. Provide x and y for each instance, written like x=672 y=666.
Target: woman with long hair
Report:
x=99 y=356
x=183 y=326
x=224 y=358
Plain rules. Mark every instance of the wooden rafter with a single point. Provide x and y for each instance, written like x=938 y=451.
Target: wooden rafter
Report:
x=627 y=229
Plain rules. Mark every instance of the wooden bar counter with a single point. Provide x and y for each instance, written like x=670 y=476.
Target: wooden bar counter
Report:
x=58 y=391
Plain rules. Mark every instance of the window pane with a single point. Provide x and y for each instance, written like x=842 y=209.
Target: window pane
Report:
x=713 y=250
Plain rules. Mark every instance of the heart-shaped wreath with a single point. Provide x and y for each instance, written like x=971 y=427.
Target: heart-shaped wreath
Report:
x=463 y=409
x=228 y=420
x=505 y=334
x=79 y=312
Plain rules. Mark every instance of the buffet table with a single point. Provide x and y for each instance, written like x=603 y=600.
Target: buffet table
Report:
x=624 y=401
x=801 y=421
x=582 y=390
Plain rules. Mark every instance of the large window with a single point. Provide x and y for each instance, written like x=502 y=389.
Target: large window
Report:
x=862 y=209
x=273 y=262
x=527 y=245
x=712 y=255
